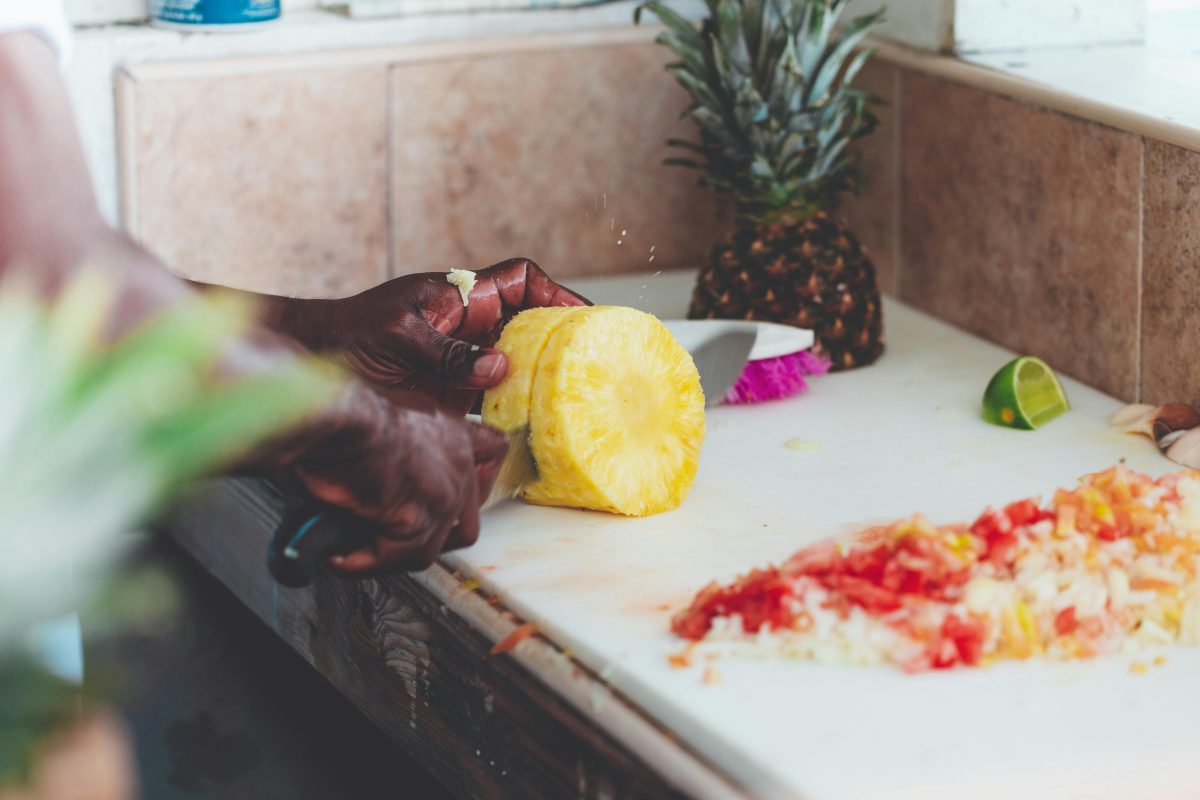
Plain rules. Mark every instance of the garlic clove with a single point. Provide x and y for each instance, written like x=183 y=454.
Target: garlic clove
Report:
x=1186 y=449
x=1174 y=427
x=1135 y=418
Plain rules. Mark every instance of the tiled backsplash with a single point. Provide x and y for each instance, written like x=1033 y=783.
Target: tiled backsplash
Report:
x=554 y=154
x=323 y=175
x=1047 y=233
x=274 y=181
x=1022 y=225
x=874 y=214
x=1171 y=275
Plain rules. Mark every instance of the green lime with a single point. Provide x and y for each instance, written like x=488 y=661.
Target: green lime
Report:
x=1025 y=394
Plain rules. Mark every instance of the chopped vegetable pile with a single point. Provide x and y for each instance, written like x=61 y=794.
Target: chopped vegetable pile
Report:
x=1105 y=568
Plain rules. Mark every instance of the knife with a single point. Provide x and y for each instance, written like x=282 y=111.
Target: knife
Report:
x=311 y=531
x=720 y=350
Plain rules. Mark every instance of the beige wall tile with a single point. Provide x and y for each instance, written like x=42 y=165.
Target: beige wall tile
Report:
x=268 y=181
x=874 y=214
x=1171 y=276
x=552 y=155
x=1023 y=226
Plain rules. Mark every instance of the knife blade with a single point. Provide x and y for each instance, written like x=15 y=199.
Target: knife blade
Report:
x=722 y=347
x=720 y=362
x=517 y=471
x=311 y=531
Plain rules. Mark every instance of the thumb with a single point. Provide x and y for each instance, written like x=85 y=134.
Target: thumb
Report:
x=457 y=363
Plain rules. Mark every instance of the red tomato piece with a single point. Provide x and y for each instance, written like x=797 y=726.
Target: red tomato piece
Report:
x=1065 y=622
x=872 y=598
x=991 y=524
x=1002 y=550
x=968 y=637
x=518 y=635
x=1026 y=512
x=818 y=559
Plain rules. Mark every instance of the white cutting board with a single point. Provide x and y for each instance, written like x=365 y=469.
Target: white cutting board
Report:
x=898 y=437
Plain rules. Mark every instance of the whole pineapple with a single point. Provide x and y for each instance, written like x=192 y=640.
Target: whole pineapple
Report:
x=771 y=87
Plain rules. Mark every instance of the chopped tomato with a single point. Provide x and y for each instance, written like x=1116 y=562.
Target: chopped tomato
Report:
x=1065 y=622
x=960 y=641
x=863 y=592
x=518 y=635
x=1002 y=550
x=991 y=524
x=1026 y=512
x=968 y=636
x=900 y=571
x=761 y=598
x=814 y=560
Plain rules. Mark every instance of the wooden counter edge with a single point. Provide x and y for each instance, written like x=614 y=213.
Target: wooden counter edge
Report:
x=413 y=654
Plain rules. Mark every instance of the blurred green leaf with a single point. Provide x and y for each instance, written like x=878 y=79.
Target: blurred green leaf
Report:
x=95 y=439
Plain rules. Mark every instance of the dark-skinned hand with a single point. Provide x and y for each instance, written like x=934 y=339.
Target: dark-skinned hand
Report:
x=414 y=334
x=414 y=473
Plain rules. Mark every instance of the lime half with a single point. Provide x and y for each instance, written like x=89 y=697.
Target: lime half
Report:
x=1024 y=394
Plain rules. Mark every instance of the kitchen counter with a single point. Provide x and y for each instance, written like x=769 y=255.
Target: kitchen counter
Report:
x=898 y=437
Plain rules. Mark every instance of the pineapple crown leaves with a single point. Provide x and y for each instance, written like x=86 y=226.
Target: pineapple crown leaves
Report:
x=772 y=96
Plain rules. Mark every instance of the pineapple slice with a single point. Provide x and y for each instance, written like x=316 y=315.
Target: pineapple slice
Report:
x=612 y=404
x=506 y=408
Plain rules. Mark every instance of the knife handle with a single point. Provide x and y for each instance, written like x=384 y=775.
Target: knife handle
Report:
x=308 y=534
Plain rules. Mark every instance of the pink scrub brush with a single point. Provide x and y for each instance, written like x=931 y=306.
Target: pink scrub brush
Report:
x=775 y=377
x=776 y=366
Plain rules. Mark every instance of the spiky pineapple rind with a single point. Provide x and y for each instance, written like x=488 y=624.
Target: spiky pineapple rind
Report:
x=813 y=275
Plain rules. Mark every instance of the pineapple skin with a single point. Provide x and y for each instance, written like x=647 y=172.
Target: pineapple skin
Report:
x=811 y=274
x=615 y=410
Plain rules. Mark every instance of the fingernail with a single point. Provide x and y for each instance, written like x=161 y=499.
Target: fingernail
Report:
x=487 y=366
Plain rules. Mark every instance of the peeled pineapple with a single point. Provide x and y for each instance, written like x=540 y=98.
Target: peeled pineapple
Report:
x=612 y=405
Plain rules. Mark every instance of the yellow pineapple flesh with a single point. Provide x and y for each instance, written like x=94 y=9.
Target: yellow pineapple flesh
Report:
x=613 y=406
x=506 y=408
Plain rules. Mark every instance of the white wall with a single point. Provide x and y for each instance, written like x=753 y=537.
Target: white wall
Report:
x=994 y=25
x=978 y=26
x=101 y=12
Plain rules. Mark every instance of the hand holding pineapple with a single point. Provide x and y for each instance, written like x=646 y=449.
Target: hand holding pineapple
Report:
x=420 y=332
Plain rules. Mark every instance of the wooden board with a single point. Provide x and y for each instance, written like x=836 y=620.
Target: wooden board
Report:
x=412 y=652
